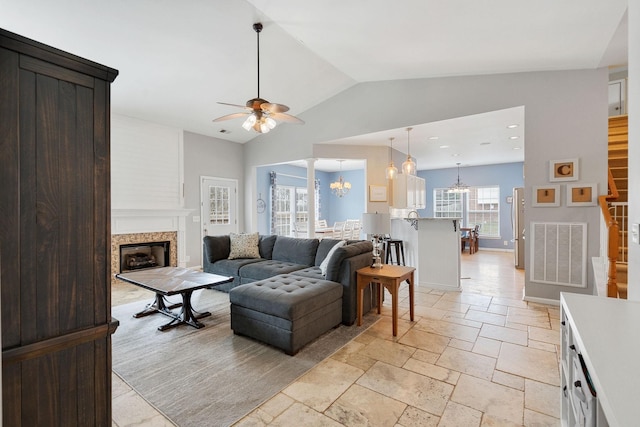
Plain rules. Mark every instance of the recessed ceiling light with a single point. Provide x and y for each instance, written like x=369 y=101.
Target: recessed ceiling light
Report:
x=433 y=138
x=455 y=154
x=516 y=148
x=513 y=126
x=444 y=146
x=485 y=143
x=514 y=137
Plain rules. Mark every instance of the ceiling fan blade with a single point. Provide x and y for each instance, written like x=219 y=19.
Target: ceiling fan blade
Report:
x=231 y=116
x=286 y=118
x=273 y=107
x=244 y=107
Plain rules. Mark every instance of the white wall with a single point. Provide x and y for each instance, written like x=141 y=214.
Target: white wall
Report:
x=146 y=164
x=634 y=146
x=565 y=117
x=207 y=156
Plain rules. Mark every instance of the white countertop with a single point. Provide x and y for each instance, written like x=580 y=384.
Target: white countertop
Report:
x=607 y=331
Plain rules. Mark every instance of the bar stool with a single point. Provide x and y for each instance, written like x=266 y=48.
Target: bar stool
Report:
x=398 y=247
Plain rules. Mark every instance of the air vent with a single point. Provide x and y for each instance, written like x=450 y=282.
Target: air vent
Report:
x=559 y=253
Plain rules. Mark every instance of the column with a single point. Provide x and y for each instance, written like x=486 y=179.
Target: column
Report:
x=311 y=199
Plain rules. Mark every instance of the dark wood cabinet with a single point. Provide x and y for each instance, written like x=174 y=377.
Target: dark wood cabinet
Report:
x=54 y=236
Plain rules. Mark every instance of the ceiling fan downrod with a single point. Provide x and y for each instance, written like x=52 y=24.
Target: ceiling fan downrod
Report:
x=257 y=28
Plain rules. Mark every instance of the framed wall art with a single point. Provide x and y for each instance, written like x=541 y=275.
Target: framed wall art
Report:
x=546 y=196
x=563 y=170
x=377 y=193
x=582 y=195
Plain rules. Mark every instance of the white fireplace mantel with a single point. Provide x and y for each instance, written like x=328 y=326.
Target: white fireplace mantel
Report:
x=124 y=221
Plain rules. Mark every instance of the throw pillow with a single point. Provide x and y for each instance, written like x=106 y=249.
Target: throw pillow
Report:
x=325 y=261
x=244 y=245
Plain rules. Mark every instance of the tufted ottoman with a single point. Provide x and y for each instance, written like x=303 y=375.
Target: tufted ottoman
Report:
x=286 y=311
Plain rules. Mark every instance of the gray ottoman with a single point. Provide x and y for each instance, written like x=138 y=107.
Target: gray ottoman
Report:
x=286 y=311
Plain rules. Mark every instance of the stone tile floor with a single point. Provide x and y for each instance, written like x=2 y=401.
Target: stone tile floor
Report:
x=480 y=357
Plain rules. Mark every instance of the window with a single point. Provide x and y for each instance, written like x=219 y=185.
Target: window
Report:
x=219 y=205
x=483 y=208
x=480 y=206
x=291 y=207
x=447 y=205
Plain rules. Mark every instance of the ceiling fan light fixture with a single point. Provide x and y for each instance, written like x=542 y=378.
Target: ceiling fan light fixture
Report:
x=270 y=122
x=250 y=122
x=262 y=114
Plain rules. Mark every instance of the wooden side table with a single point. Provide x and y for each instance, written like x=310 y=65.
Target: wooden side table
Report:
x=389 y=276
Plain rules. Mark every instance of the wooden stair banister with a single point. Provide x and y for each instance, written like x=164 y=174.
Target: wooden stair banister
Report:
x=613 y=232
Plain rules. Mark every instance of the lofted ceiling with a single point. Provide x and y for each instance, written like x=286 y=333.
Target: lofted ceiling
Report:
x=178 y=59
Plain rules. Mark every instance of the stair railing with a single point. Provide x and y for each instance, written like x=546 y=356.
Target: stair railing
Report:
x=613 y=231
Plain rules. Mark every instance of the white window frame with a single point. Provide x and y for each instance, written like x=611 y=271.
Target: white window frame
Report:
x=465 y=212
x=290 y=211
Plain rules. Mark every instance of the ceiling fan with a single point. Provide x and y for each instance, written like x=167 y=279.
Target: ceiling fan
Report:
x=261 y=114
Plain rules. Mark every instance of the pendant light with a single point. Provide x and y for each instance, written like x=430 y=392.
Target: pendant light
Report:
x=409 y=167
x=392 y=170
x=458 y=187
x=340 y=187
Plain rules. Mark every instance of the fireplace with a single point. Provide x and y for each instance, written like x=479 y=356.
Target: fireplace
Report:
x=139 y=256
x=142 y=243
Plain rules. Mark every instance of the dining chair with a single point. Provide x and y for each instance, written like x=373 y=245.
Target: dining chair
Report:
x=476 y=237
x=338 y=229
x=321 y=223
x=467 y=237
x=300 y=229
x=348 y=229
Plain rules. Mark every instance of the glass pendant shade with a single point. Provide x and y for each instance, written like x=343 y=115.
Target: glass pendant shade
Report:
x=409 y=166
x=392 y=171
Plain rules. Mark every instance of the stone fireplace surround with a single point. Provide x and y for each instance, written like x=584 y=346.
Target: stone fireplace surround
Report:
x=148 y=225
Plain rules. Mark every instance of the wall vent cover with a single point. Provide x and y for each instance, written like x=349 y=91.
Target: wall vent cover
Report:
x=559 y=253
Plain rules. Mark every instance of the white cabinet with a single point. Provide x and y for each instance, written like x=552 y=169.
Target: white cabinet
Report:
x=409 y=192
x=599 y=357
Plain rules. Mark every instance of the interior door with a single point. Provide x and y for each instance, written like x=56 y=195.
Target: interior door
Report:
x=219 y=206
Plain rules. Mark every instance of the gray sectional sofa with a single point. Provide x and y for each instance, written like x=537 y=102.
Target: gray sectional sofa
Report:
x=287 y=256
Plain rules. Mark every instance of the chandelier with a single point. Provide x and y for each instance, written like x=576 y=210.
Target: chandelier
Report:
x=409 y=166
x=392 y=170
x=340 y=187
x=458 y=187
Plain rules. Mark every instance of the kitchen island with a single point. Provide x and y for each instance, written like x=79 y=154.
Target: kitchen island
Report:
x=432 y=245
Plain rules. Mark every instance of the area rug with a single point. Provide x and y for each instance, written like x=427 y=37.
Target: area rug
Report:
x=210 y=376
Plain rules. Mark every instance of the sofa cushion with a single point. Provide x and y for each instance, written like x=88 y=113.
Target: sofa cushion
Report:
x=312 y=272
x=286 y=296
x=296 y=251
x=244 y=245
x=324 y=246
x=347 y=251
x=266 y=246
x=268 y=268
x=231 y=267
x=216 y=247
x=327 y=259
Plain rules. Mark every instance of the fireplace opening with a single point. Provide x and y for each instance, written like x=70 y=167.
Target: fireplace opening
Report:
x=139 y=256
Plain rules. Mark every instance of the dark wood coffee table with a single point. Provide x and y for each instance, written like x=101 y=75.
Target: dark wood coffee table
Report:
x=167 y=281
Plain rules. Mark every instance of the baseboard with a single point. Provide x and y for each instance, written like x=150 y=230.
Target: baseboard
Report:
x=546 y=301
x=494 y=249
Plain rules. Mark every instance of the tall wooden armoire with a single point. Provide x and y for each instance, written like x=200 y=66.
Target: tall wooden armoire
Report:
x=55 y=236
